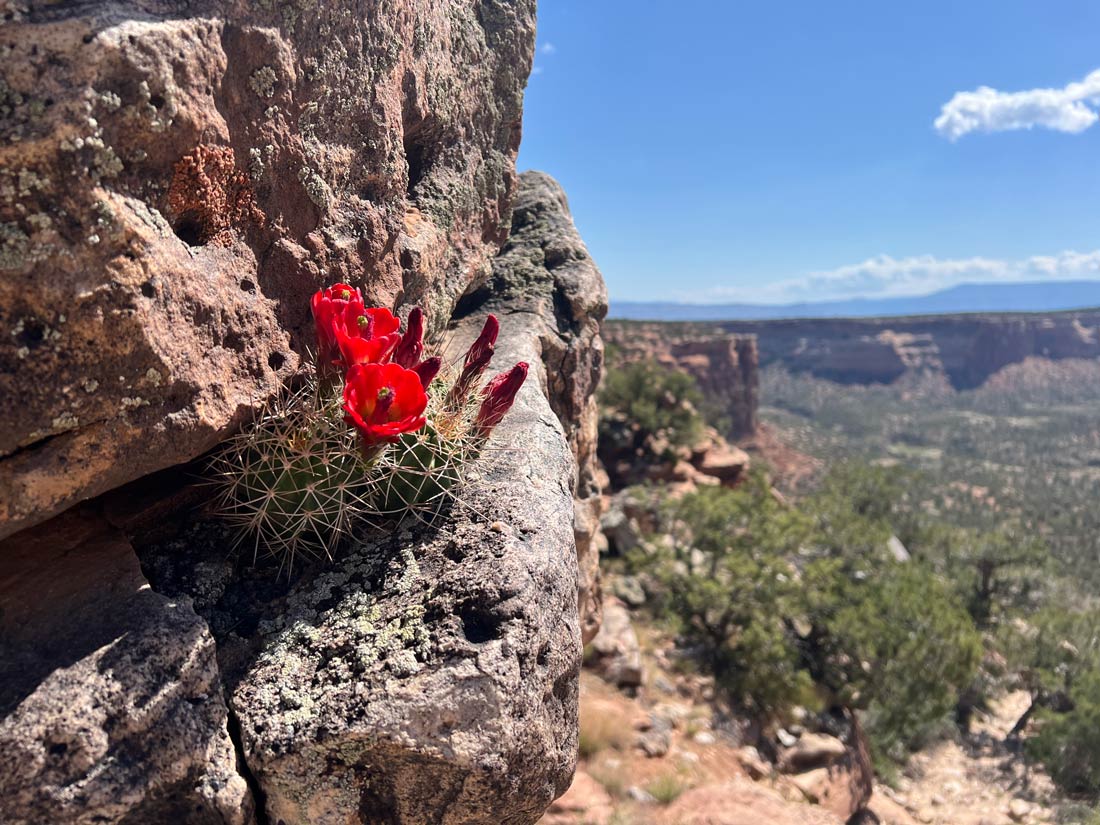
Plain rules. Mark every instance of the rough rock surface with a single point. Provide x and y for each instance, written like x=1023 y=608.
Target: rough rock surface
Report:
x=177 y=177
x=545 y=269
x=111 y=707
x=430 y=675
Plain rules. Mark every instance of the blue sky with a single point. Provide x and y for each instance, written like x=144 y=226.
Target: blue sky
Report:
x=779 y=151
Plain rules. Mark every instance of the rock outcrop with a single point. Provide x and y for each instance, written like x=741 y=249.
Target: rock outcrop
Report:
x=175 y=180
x=544 y=269
x=111 y=705
x=177 y=177
x=429 y=675
x=614 y=653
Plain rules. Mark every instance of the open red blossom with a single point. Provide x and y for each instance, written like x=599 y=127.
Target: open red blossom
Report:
x=382 y=401
x=498 y=397
x=411 y=348
x=366 y=336
x=478 y=357
x=327 y=305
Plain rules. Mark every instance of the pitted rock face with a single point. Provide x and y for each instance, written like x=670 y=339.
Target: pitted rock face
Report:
x=111 y=707
x=545 y=269
x=177 y=178
x=430 y=674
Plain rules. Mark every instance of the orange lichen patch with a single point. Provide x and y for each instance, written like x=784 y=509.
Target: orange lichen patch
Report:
x=209 y=196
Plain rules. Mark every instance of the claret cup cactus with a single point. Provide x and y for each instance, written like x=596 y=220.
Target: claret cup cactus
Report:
x=376 y=433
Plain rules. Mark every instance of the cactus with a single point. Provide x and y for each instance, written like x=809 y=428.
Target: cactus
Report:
x=295 y=480
x=421 y=472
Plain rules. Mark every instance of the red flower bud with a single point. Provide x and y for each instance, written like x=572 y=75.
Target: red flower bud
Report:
x=327 y=305
x=478 y=357
x=427 y=370
x=365 y=336
x=498 y=395
x=411 y=348
x=382 y=401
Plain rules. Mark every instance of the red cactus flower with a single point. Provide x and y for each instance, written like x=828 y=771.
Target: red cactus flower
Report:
x=427 y=370
x=498 y=396
x=327 y=305
x=478 y=357
x=383 y=401
x=365 y=336
x=411 y=348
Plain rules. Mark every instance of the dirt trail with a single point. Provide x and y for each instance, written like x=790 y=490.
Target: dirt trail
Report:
x=979 y=781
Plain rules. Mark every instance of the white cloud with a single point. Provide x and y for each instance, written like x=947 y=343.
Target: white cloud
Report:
x=884 y=276
x=536 y=69
x=547 y=49
x=1069 y=109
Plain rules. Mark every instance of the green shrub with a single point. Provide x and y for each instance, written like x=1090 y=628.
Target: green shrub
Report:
x=1067 y=743
x=789 y=606
x=909 y=648
x=726 y=580
x=654 y=399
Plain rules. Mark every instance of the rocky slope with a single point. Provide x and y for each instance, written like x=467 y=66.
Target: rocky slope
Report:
x=177 y=179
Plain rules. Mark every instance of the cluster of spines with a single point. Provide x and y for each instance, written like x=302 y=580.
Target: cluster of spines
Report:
x=293 y=482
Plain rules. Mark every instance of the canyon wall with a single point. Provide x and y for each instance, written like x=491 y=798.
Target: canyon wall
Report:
x=965 y=349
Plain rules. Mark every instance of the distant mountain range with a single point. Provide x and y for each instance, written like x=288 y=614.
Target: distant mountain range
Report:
x=964 y=298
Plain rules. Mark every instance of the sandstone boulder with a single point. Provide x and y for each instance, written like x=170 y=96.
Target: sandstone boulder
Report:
x=832 y=771
x=177 y=177
x=111 y=706
x=615 y=654
x=586 y=801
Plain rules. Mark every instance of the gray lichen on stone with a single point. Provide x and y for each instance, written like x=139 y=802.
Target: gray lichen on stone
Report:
x=258 y=161
x=262 y=82
x=15 y=246
x=315 y=186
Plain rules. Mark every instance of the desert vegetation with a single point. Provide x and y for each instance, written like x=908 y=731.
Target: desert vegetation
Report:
x=897 y=583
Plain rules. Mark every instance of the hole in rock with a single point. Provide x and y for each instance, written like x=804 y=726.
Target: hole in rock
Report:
x=478 y=625
x=248 y=285
x=276 y=361
x=148 y=290
x=32 y=334
x=189 y=229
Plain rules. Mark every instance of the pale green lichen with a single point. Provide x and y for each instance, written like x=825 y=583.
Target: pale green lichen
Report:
x=315 y=187
x=15 y=246
x=262 y=82
x=259 y=161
